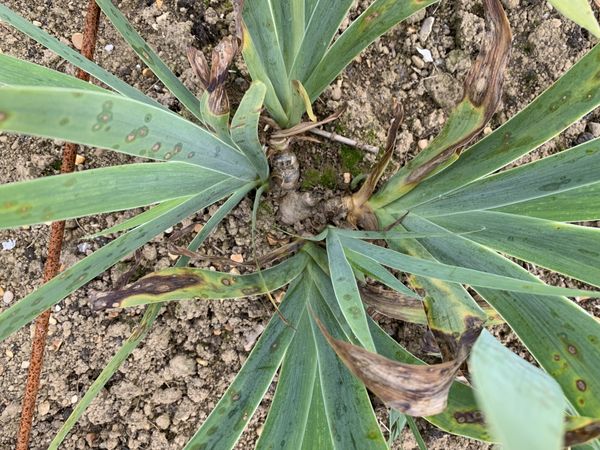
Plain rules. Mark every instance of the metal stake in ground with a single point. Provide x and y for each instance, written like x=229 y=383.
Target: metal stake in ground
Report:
x=52 y=265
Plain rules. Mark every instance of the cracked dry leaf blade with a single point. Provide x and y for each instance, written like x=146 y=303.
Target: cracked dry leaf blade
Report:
x=416 y=390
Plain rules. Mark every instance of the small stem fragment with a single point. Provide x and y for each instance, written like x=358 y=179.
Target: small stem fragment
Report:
x=344 y=140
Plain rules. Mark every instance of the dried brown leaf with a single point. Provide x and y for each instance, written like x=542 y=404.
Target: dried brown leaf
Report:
x=393 y=304
x=199 y=65
x=222 y=56
x=416 y=390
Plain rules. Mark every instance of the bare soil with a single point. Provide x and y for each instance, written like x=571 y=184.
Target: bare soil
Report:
x=167 y=388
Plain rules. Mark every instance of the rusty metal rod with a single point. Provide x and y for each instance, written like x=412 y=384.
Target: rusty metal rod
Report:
x=51 y=268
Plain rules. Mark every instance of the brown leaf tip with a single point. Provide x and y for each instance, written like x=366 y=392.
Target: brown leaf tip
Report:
x=153 y=285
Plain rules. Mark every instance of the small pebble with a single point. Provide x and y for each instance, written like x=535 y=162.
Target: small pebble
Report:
x=163 y=421
x=594 y=128
x=79 y=160
x=84 y=247
x=236 y=257
x=423 y=143
x=74 y=399
x=9 y=244
x=336 y=93
x=147 y=73
x=77 y=40
x=426 y=54
x=347 y=177
x=8 y=297
x=583 y=138
x=37 y=23
x=426 y=28
x=417 y=62
x=109 y=48
x=9 y=354
x=25 y=365
x=44 y=408
x=52 y=321
x=487 y=130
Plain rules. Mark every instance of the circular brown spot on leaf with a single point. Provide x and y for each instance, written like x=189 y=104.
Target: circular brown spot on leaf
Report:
x=581 y=385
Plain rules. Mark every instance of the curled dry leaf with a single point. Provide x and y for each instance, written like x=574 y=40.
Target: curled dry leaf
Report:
x=212 y=79
x=393 y=304
x=410 y=309
x=416 y=390
x=200 y=66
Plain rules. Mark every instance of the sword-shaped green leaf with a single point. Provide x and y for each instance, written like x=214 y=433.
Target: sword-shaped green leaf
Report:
x=456 y=274
x=317 y=433
x=72 y=56
x=244 y=128
x=322 y=26
x=346 y=291
x=286 y=423
x=577 y=205
x=149 y=57
x=119 y=124
x=555 y=175
x=289 y=18
x=96 y=191
x=258 y=72
x=261 y=39
x=568 y=249
x=225 y=424
x=87 y=269
x=16 y=72
x=349 y=412
x=523 y=405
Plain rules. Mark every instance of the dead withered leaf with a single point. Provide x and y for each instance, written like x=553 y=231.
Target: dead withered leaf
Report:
x=212 y=79
x=393 y=304
x=416 y=390
x=200 y=66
